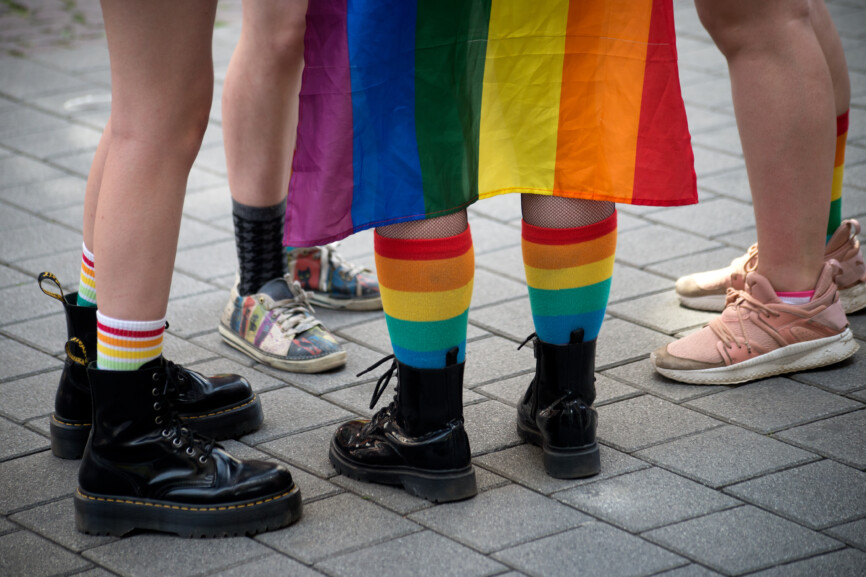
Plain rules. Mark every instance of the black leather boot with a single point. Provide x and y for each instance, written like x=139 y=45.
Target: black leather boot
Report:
x=222 y=406
x=418 y=441
x=556 y=411
x=143 y=468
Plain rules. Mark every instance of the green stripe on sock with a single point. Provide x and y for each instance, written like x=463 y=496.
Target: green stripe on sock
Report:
x=575 y=301
x=835 y=220
x=429 y=336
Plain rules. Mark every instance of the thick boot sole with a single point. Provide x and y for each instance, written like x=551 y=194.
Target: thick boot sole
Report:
x=68 y=438
x=435 y=486
x=564 y=463
x=318 y=365
x=107 y=515
x=230 y=422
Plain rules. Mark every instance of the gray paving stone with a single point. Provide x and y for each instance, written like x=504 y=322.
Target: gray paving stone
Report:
x=200 y=179
x=489 y=522
x=193 y=234
x=214 y=343
x=208 y=204
x=17 y=556
x=772 y=404
x=645 y=499
x=390 y=497
x=337 y=320
x=504 y=208
x=57 y=478
x=620 y=342
x=709 y=219
x=846 y=563
x=78 y=59
x=10 y=277
x=358 y=358
x=7 y=526
x=336 y=524
x=731 y=183
x=17 y=121
x=849 y=375
x=629 y=282
x=182 y=351
x=17 y=360
x=196 y=315
x=817 y=495
x=489 y=235
x=511 y=319
x=71 y=217
x=63 y=141
x=489 y=288
x=625 y=221
x=702 y=119
x=709 y=162
x=308 y=450
x=270 y=566
x=490 y=426
x=18 y=441
x=596 y=548
x=47 y=334
x=657 y=243
x=151 y=554
x=56 y=522
x=36 y=241
x=212 y=159
x=642 y=375
x=853 y=533
x=30 y=397
x=511 y=391
x=12 y=218
x=495 y=358
x=741 y=540
x=641 y=422
x=65 y=264
x=661 y=312
x=725 y=455
x=690 y=571
x=507 y=262
x=742 y=240
x=423 y=554
x=291 y=411
x=709 y=260
x=209 y=261
x=725 y=139
x=312 y=487
x=357 y=398
x=522 y=464
x=24 y=79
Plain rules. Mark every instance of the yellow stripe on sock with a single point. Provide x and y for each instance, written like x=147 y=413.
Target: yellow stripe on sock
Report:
x=572 y=277
x=838 y=174
x=426 y=306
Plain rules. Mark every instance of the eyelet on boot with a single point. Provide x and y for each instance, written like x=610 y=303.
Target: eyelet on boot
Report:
x=177 y=442
x=155 y=392
x=158 y=420
x=157 y=406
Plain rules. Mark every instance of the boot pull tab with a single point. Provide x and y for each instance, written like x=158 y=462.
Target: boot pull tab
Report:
x=49 y=277
x=74 y=346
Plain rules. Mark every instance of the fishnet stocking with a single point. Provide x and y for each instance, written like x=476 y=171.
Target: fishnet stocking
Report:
x=558 y=212
x=439 y=227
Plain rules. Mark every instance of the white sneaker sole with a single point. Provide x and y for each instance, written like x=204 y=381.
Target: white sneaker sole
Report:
x=357 y=304
x=853 y=299
x=317 y=365
x=789 y=359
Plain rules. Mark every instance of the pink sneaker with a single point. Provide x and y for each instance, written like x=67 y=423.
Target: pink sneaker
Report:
x=759 y=336
x=706 y=290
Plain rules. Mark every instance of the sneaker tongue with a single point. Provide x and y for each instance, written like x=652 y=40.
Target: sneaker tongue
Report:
x=278 y=289
x=761 y=289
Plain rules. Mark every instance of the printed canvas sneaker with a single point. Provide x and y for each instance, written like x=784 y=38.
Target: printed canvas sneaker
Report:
x=759 y=336
x=276 y=327
x=332 y=282
x=706 y=290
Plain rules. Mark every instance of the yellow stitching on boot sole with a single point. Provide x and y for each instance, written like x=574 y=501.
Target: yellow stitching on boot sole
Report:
x=56 y=420
x=250 y=402
x=179 y=507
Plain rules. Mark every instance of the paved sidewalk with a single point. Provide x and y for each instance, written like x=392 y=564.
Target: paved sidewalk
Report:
x=767 y=478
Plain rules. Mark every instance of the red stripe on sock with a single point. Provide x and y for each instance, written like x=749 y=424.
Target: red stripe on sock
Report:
x=129 y=333
x=86 y=260
x=556 y=236
x=423 y=248
x=842 y=123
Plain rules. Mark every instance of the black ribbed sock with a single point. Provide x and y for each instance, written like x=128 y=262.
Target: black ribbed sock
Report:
x=259 y=240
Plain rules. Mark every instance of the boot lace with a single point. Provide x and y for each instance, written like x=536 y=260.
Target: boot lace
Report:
x=739 y=301
x=381 y=385
x=175 y=431
x=294 y=316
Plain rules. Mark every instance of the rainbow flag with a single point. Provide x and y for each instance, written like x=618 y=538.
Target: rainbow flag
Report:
x=416 y=108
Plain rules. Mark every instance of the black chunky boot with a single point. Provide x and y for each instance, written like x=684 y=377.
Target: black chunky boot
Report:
x=143 y=468
x=418 y=441
x=222 y=406
x=556 y=411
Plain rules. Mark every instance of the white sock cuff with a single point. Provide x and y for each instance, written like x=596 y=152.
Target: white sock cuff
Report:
x=86 y=252
x=138 y=326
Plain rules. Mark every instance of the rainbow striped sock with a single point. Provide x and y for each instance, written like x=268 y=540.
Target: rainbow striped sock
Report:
x=127 y=345
x=87 y=284
x=838 y=172
x=426 y=287
x=568 y=271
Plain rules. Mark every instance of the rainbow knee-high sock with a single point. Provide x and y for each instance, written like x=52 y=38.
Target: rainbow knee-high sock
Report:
x=426 y=287
x=87 y=282
x=127 y=345
x=568 y=271
x=835 y=219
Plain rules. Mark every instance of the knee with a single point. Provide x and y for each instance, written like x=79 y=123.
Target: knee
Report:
x=740 y=25
x=278 y=45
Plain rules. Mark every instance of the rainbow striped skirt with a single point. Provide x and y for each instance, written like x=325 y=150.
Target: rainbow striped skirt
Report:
x=414 y=109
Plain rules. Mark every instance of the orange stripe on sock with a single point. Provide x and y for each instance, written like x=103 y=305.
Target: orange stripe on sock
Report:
x=129 y=343
x=415 y=275
x=554 y=257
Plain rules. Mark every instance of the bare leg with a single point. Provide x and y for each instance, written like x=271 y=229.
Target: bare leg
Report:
x=162 y=85
x=828 y=37
x=260 y=100
x=94 y=181
x=786 y=124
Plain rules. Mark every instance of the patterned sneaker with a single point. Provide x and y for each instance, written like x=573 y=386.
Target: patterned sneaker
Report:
x=759 y=336
x=706 y=290
x=276 y=327
x=332 y=282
